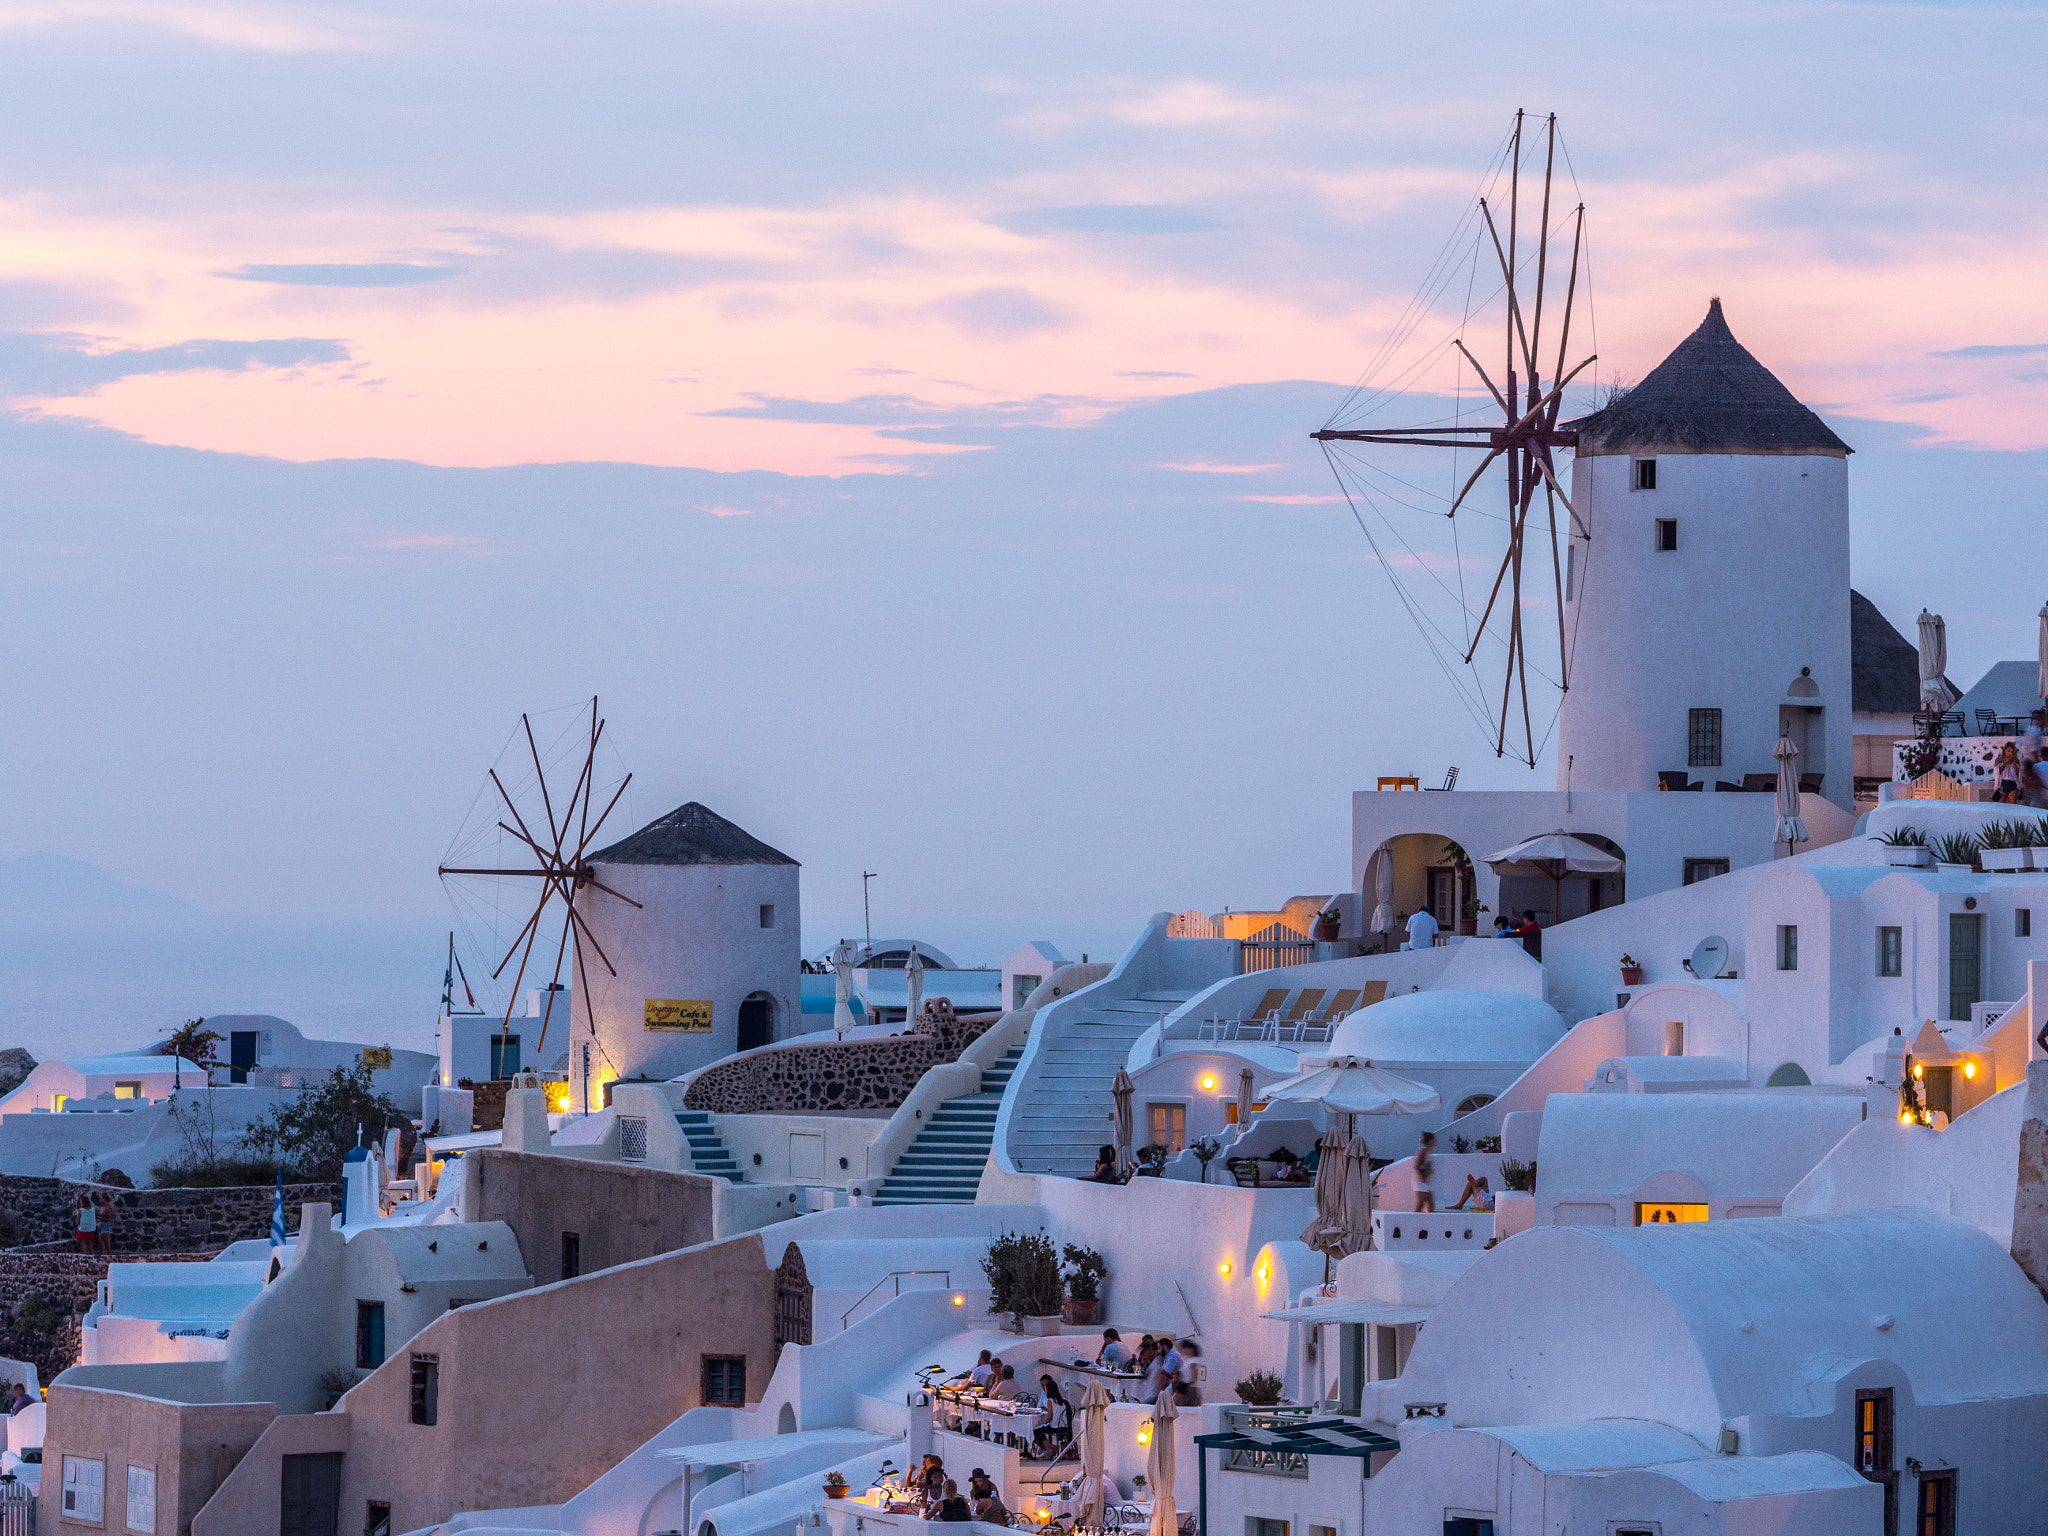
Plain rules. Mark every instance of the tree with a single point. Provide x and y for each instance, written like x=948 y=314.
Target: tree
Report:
x=193 y=1041
x=310 y=1136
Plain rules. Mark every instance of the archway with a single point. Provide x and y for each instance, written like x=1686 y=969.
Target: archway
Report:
x=1790 y=1075
x=785 y=1421
x=757 y=1021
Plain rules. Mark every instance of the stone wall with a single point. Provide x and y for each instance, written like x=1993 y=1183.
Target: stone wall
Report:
x=153 y=1220
x=43 y=1297
x=832 y=1074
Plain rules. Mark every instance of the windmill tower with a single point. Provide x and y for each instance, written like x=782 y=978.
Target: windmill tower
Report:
x=1707 y=579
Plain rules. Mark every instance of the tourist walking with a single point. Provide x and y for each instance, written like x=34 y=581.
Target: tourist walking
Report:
x=1425 y=1173
x=88 y=1223
x=103 y=1222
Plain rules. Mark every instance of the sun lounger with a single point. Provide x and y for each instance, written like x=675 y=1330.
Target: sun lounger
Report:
x=1225 y=1026
x=1284 y=1026
x=1316 y=1028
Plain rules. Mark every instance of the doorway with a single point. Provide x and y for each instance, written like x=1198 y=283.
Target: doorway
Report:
x=241 y=1054
x=757 y=1021
x=1965 y=962
x=1442 y=886
x=310 y=1495
x=504 y=1056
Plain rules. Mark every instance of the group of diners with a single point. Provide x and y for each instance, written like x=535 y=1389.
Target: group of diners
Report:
x=940 y=1498
x=1159 y=1364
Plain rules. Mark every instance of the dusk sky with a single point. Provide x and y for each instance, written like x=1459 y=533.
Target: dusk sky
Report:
x=896 y=413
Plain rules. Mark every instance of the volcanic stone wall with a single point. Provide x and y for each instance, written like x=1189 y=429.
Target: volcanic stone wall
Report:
x=834 y=1074
x=153 y=1220
x=43 y=1299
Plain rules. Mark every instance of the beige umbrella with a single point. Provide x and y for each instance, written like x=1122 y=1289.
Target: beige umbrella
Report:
x=1244 y=1100
x=1936 y=691
x=1383 y=889
x=1356 y=1207
x=1325 y=1232
x=1120 y=1093
x=1159 y=1467
x=1790 y=828
x=1552 y=856
x=1094 y=1426
x=1351 y=1085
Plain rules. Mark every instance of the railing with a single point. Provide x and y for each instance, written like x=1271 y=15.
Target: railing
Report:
x=1271 y=954
x=1267 y=1461
x=897 y=1276
x=17 y=1509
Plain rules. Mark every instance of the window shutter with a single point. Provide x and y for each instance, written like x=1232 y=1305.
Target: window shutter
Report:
x=632 y=1138
x=142 y=1499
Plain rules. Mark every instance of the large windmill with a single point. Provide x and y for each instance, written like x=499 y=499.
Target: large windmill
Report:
x=1524 y=438
x=536 y=858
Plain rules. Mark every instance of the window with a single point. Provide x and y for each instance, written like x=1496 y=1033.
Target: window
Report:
x=1788 y=946
x=83 y=1481
x=369 y=1334
x=1021 y=988
x=1169 y=1125
x=377 y=1519
x=632 y=1138
x=1257 y=1527
x=1937 y=1504
x=2022 y=922
x=129 y=1091
x=1667 y=535
x=504 y=1055
x=725 y=1379
x=142 y=1498
x=1697 y=870
x=426 y=1389
x=1659 y=1213
x=1891 y=951
x=1645 y=476
x=767 y=914
x=1703 y=738
x=572 y=1255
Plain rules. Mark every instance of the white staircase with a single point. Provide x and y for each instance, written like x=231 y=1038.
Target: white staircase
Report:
x=1066 y=1111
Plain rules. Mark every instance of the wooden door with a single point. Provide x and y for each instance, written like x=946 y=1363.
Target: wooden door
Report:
x=310 y=1495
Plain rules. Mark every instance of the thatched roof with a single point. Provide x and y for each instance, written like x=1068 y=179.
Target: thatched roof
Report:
x=1709 y=396
x=1884 y=666
x=691 y=834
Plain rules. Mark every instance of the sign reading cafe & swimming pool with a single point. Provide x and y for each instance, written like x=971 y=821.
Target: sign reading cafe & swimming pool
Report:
x=678 y=1015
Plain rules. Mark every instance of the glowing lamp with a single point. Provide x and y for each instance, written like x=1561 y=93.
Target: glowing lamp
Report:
x=1919 y=1072
x=1208 y=1082
x=1145 y=1433
x=1044 y=1516
x=959 y=1301
x=1969 y=1069
x=1905 y=1117
x=1262 y=1271
x=1223 y=1269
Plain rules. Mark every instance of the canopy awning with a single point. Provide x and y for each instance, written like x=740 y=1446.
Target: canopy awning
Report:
x=747 y=1453
x=1384 y=1313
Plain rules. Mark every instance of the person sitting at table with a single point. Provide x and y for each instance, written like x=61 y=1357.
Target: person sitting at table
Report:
x=1115 y=1354
x=1105 y=1166
x=1478 y=1192
x=928 y=1480
x=1058 y=1427
x=1155 y=1373
x=951 y=1505
x=1007 y=1390
x=980 y=1374
x=984 y=1501
x=1187 y=1390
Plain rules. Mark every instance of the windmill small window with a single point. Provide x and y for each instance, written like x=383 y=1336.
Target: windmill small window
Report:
x=1643 y=475
x=1667 y=534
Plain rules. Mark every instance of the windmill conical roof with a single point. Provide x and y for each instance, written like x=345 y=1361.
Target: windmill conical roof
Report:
x=1710 y=395
x=691 y=834
x=1884 y=666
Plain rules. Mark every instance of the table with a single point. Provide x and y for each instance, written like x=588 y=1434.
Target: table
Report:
x=1121 y=1381
x=1020 y=1420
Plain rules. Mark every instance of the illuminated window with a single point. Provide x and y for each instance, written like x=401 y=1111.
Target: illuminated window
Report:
x=1657 y=1213
x=128 y=1091
x=1169 y=1125
x=1937 y=1504
x=1890 y=951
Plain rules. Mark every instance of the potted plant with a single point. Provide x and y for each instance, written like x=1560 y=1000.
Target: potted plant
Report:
x=1152 y=1159
x=835 y=1485
x=1023 y=1271
x=1328 y=921
x=1468 y=916
x=1085 y=1272
x=1205 y=1152
x=1906 y=848
x=1631 y=971
x=1261 y=1389
x=1955 y=851
x=2007 y=847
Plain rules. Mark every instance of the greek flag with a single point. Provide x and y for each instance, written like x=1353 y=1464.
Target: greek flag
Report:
x=277 y=1214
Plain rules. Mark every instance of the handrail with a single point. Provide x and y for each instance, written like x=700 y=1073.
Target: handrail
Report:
x=897 y=1276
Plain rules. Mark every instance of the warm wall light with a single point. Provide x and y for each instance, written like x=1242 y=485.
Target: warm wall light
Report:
x=959 y=1301
x=1208 y=1082
x=1145 y=1433
x=1919 y=1072
x=1223 y=1269
x=1262 y=1271
x=1905 y=1117
x=1969 y=1069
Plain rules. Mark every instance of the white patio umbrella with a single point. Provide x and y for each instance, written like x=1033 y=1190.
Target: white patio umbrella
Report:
x=842 y=987
x=1383 y=889
x=1159 y=1468
x=1552 y=856
x=913 y=986
x=1936 y=691
x=1094 y=1426
x=1244 y=1100
x=2041 y=656
x=1351 y=1085
x=1120 y=1092
x=1790 y=828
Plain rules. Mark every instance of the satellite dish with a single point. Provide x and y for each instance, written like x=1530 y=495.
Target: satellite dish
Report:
x=1709 y=957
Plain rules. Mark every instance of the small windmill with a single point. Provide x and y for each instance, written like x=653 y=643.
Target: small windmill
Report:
x=546 y=843
x=1526 y=437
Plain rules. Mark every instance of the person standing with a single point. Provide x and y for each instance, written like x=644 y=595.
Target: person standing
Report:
x=1425 y=1173
x=88 y=1223
x=103 y=1223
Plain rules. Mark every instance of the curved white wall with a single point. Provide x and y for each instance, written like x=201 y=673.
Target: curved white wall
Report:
x=1757 y=589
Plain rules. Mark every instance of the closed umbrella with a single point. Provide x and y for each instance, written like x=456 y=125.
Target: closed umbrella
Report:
x=1159 y=1469
x=1937 y=693
x=1357 y=1203
x=1244 y=1100
x=1120 y=1093
x=1552 y=856
x=1790 y=828
x=842 y=987
x=913 y=986
x=2041 y=656
x=1325 y=1231
x=1383 y=889
x=1094 y=1425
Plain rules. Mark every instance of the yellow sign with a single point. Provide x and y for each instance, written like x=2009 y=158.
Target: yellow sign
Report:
x=377 y=1057
x=678 y=1015
x=1658 y=1212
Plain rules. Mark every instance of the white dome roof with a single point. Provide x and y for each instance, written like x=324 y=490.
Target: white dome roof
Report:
x=1451 y=1025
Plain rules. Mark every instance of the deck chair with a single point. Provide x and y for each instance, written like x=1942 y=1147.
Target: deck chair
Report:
x=1375 y=992
x=1221 y=1023
x=1760 y=783
x=1317 y=1027
x=1284 y=1027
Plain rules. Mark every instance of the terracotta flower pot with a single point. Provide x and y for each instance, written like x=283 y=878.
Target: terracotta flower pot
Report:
x=836 y=1490
x=1631 y=975
x=1080 y=1309
x=1468 y=927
